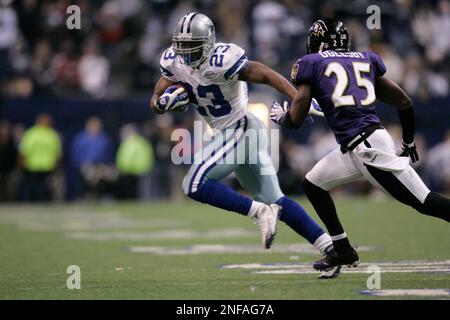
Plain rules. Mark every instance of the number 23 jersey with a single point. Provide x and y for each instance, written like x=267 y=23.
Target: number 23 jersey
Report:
x=214 y=87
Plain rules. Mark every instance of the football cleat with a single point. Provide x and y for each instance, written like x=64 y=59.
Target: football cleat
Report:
x=331 y=273
x=266 y=218
x=334 y=258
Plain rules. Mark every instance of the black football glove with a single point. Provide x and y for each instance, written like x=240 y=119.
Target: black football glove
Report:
x=409 y=150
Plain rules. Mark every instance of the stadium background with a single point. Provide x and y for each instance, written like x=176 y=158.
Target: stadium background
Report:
x=108 y=68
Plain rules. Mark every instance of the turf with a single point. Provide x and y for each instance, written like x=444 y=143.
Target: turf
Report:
x=38 y=243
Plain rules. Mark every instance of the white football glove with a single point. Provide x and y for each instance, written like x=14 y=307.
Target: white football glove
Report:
x=315 y=109
x=277 y=112
x=173 y=98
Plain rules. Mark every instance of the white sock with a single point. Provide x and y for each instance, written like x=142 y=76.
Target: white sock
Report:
x=339 y=237
x=254 y=208
x=323 y=242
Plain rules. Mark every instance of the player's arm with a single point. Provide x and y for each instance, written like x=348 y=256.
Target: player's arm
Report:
x=300 y=107
x=257 y=72
x=388 y=91
x=161 y=86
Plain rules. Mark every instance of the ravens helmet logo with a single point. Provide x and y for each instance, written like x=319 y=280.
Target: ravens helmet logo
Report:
x=317 y=29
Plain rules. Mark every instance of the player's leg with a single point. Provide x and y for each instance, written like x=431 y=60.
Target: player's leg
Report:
x=198 y=185
x=333 y=170
x=265 y=188
x=402 y=182
x=259 y=177
x=216 y=161
x=407 y=187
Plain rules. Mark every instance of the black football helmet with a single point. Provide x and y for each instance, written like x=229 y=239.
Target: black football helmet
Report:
x=327 y=34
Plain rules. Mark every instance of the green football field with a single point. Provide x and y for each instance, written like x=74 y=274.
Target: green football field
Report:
x=192 y=251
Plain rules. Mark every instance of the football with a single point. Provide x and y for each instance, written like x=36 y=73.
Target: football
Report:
x=180 y=93
x=180 y=85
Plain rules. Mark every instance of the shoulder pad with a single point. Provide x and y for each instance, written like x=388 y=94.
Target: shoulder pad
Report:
x=166 y=61
x=302 y=71
x=228 y=59
x=377 y=63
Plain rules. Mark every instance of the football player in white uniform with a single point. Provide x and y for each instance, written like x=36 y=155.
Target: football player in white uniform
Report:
x=213 y=76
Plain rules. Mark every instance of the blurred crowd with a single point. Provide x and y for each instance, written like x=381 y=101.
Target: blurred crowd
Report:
x=36 y=166
x=116 y=51
x=33 y=166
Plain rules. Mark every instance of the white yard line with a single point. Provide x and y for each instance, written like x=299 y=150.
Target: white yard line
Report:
x=231 y=249
x=407 y=292
x=418 y=266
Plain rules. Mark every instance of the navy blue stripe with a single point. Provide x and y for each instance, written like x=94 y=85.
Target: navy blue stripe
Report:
x=165 y=71
x=234 y=147
x=214 y=152
x=190 y=22
x=235 y=66
x=182 y=24
x=394 y=186
x=209 y=157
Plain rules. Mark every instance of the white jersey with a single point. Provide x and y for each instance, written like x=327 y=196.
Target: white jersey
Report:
x=214 y=87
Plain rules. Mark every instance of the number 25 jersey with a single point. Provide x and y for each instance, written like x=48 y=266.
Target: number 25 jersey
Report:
x=343 y=84
x=214 y=87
